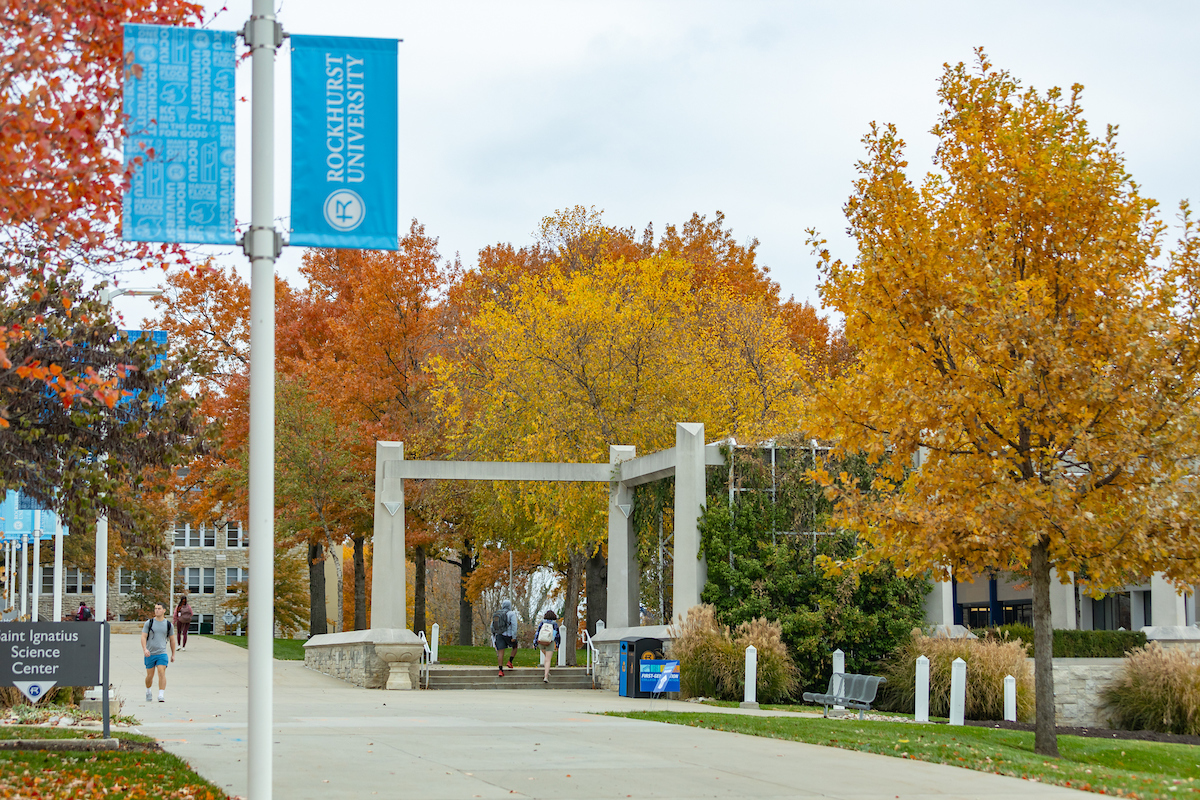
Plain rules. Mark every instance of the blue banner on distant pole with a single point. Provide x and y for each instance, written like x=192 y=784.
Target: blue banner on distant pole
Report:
x=179 y=144
x=344 y=143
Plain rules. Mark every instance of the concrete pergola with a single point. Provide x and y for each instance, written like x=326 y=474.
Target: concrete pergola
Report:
x=685 y=462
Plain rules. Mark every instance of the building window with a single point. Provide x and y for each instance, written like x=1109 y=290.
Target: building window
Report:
x=78 y=581
x=210 y=581
x=235 y=535
x=192 y=579
x=190 y=535
x=201 y=623
x=126 y=583
x=47 y=581
x=181 y=532
x=234 y=576
x=208 y=535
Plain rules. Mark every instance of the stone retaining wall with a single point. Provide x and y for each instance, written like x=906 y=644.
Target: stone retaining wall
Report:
x=353 y=662
x=1077 y=686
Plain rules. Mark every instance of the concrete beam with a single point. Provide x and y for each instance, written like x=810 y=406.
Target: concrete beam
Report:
x=496 y=471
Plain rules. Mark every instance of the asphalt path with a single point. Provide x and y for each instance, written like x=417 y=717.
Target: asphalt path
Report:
x=335 y=740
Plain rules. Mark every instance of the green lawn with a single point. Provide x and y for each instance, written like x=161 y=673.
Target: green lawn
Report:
x=285 y=649
x=145 y=774
x=34 y=732
x=486 y=656
x=1108 y=766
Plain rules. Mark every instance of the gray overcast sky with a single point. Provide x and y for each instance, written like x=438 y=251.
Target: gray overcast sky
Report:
x=653 y=110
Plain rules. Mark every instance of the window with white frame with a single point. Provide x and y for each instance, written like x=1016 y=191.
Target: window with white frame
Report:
x=189 y=534
x=78 y=581
x=191 y=579
x=234 y=576
x=208 y=535
x=181 y=534
x=235 y=535
x=210 y=580
x=47 y=581
x=125 y=581
x=201 y=623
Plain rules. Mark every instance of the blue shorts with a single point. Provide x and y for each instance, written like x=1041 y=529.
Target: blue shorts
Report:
x=159 y=660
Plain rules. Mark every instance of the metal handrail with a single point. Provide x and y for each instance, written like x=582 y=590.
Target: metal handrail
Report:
x=591 y=654
x=426 y=656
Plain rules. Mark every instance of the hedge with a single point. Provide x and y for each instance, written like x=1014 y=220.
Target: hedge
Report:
x=1076 y=644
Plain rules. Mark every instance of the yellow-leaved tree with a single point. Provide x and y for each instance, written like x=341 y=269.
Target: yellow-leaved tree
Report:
x=583 y=353
x=1019 y=328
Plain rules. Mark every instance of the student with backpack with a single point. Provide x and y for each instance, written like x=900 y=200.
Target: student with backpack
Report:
x=156 y=638
x=84 y=614
x=504 y=634
x=547 y=638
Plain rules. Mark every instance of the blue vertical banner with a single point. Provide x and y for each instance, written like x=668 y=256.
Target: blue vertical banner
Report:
x=344 y=142
x=179 y=144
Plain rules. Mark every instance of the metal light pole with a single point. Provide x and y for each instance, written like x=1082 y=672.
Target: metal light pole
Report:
x=262 y=244
x=100 y=582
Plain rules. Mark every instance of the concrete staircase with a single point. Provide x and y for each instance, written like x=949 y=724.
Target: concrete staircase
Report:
x=455 y=677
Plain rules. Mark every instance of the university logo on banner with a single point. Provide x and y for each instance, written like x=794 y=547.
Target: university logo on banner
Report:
x=344 y=143
x=179 y=144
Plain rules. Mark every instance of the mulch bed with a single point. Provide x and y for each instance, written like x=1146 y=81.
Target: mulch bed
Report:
x=1097 y=733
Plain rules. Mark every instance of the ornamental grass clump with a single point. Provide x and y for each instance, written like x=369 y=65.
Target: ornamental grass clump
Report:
x=988 y=662
x=1159 y=690
x=712 y=660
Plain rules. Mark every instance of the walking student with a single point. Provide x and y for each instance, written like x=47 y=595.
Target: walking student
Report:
x=183 y=620
x=156 y=639
x=504 y=634
x=547 y=639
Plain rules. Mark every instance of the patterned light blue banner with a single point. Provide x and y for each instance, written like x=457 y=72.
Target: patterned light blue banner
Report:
x=17 y=519
x=344 y=143
x=179 y=144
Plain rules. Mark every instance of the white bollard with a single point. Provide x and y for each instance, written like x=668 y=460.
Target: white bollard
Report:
x=839 y=668
x=958 y=691
x=750 y=696
x=599 y=625
x=562 y=652
x=922 y=704
x=1010 y=698
x=433 y=645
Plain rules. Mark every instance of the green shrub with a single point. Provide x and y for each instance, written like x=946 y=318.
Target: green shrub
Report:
x=1076 y=644
x=1159 y=690
x=988 y=662
x=712 y=661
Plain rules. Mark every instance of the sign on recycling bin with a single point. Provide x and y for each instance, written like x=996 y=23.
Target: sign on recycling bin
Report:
x=658 y=676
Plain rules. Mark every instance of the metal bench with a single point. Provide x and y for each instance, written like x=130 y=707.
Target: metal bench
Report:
x=849 y=691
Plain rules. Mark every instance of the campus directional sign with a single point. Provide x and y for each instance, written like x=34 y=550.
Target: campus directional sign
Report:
x=36 y=656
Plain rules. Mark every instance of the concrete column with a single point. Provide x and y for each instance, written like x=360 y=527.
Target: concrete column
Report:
x=388 y=609
x=1167 y=606
x=939 y=604
x=690 y=571
x=1087 y=620
x=1189 y=607
x=1062 y=602
x=1137 y=610
x=624 y=578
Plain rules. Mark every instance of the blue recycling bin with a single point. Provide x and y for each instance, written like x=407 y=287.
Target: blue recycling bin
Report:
x=633 y=650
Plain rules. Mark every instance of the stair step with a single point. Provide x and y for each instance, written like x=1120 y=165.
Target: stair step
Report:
x=486 y=678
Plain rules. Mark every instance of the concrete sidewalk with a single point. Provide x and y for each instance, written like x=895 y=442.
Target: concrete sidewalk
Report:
x=334 y=740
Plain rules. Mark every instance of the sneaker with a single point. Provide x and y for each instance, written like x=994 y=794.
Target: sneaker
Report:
x=149 y=697
x=162 y=697
x=510 y=664
x=501 y=673
x=545 y=680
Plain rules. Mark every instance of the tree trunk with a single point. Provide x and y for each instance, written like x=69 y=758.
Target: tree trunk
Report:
x=1045 y=741
x=316 y=590
x=570 y=621
x=360 y=586
x=466 y=565
x=597 y=589
x=419 y=589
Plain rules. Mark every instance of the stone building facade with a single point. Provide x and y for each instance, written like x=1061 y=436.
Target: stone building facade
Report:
x=208 y=560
